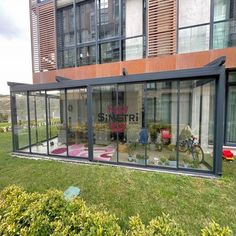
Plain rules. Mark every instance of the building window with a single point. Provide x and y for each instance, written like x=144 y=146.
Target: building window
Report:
x=101 y=31
x=231 y=109
x=195 y=26
x=194 y=12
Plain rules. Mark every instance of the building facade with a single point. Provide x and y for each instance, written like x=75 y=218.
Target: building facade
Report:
x=106 y=55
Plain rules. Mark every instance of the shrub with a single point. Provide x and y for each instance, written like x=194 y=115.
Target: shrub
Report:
x=36 y=214
x=24 y=213
x=214 y=229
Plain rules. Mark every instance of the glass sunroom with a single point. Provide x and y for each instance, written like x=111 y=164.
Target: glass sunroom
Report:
x=168 y=120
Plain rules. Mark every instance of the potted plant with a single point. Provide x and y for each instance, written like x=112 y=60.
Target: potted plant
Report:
x=141 y=159
x=131 y=149
x=172 y=160
x=163 y=161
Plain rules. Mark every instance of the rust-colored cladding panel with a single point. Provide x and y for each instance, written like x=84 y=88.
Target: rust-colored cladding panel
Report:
x=155 y=64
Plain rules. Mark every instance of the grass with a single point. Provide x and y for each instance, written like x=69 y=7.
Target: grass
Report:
x=192 y=202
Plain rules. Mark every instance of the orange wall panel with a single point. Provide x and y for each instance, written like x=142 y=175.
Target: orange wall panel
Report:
x=154 y=64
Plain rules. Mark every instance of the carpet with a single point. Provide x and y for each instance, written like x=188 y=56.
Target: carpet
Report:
x=81 y=150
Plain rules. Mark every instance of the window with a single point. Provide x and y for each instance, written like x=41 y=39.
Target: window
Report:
x=194 y=39
x=231 y=109
x=109 y=52
x=108 y=18
x=195 y=25
x=85 y=22
x=99 y=31
x=224 y=9
x=194 y=12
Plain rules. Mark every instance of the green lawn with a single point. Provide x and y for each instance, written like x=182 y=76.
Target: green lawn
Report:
x=192 y=202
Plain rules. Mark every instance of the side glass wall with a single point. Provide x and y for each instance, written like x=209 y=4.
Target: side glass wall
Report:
x=38 y=122
x=20 y=122
x=77 y=122
x=196 y=124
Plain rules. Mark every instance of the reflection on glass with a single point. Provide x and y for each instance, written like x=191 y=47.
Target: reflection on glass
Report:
x=110 y=52
x=77 y=122
x=65 y=27
x=224 y=9
x=224 y=34
x=56 y=123
x=232 y=77
x=133 y=48
x=21 y=132
x=194 y=12
x=108 y=18
x=231 y=115
x=162 y=123
x=104 y=120
x=38 y=122
x=132 y=133
x=194 y=39
x=66 y=58
x=133 y=18
x=85 y=18
x=197 y=102
x=87 y=55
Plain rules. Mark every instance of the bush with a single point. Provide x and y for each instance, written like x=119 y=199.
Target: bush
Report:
x=24 y=213
x=214 y=229
x=36 y=214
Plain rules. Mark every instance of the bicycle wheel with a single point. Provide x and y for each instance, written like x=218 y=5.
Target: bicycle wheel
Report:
x=198 y=154
x=183 y=146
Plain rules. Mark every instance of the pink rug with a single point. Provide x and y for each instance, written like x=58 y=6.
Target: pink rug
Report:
x=59 y=151
x=81 y=150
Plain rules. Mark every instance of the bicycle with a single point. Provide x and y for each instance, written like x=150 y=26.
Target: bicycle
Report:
x=193 y=147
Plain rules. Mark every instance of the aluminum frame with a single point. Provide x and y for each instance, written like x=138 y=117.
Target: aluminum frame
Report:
x=215 y=72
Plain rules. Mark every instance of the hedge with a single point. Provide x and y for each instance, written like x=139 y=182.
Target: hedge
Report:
x=23 y=213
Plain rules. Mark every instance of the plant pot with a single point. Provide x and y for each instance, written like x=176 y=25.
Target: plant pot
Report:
x=173 y=163
x=140 y=161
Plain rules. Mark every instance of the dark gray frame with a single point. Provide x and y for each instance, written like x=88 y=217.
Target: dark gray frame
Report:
x=215 y=71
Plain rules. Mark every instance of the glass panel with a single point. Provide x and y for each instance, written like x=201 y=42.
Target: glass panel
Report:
x=224 y=9
x=56 y=122
x=85 y=17
x=132 y=134
x=133 y=18
x=63 y=3
x=194 y=12
x=232 y=77
x=86 y=55
x=104 y=123
x=77 y=122
x=194 y=39
x=38 y=122
x=65 y=27
x=197 y=103
x=231 y=115
x=162 y=124
x=108 y=18
x=224 y=34
x=133 y=48
x=21 y=132
x=66 y=58
x=110 y=52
